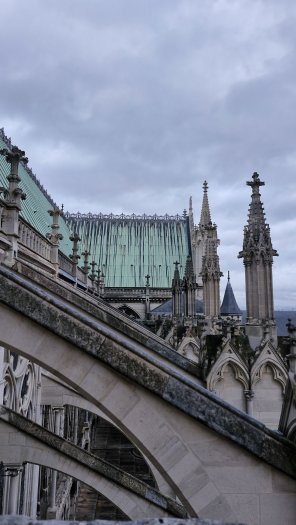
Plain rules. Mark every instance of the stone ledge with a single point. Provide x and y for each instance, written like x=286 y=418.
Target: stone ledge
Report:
x=103 y=312
x=22 y=520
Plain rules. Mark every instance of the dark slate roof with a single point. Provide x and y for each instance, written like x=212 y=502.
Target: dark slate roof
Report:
x=166 y=308
x=127 y=248
x=229 y=305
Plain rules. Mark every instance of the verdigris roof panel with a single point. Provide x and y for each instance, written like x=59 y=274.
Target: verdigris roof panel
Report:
x=127 y=248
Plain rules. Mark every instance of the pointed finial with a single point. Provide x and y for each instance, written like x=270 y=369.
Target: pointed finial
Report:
x=190 y=203
x=205 y=216
x=147 y=277
x=228 y=276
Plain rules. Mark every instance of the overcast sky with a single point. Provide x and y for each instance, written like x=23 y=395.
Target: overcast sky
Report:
x=129 y=105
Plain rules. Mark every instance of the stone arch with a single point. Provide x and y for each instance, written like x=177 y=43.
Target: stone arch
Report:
x=190 y=349
x=25 y=448
x=229 y=382
x=9 y=388
x=158 y=436
x=279 y=373
x=61 y=395
x=159 y=405
x=268 y=384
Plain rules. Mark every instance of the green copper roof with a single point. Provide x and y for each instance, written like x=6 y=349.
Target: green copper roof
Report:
x=35 y=207
x=127 y=248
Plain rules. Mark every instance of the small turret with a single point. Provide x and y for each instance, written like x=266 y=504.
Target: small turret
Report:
x=229 y=307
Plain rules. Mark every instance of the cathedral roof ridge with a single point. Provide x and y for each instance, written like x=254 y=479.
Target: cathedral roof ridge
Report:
x=123 y=216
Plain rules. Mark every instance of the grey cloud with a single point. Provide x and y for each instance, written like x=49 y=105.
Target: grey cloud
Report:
x=129 y=106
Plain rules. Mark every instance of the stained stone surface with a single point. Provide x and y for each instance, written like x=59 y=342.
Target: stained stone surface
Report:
x=22 y=520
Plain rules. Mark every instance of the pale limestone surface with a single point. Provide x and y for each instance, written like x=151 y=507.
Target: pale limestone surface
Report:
x=20 y=446
x=170 y=438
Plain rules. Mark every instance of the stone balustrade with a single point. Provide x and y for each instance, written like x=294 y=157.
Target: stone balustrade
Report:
x=33 y=240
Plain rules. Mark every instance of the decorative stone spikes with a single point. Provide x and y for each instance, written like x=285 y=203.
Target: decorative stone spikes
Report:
x=191 y=217
x=74 y=256
x=92 y=276
x=13 y=195
x=147 y=297
x=189 y=287
x=55 y=237
x=98 y=280
x=189 y=276
x=205 y=216
x=176 y=282
x=177 y=292
x=85 y=267
x=257 y=254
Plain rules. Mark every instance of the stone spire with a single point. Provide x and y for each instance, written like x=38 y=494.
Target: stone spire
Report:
x=191 y=217
x=205 y=216
x=257 y=254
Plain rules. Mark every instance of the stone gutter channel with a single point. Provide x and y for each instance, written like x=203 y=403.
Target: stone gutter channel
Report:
x=143 y=364
x=93 y=462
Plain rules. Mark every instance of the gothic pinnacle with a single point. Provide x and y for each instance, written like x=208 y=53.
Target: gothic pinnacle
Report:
x=205 y=216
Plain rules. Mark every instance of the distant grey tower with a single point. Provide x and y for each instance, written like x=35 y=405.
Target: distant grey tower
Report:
x=210 y=267
x=199 y=237
x=257 y=254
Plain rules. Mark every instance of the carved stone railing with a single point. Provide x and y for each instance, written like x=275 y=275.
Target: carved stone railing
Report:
x=34 y=241
x=65 y=263
x=122 y=216
x=137 y=292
